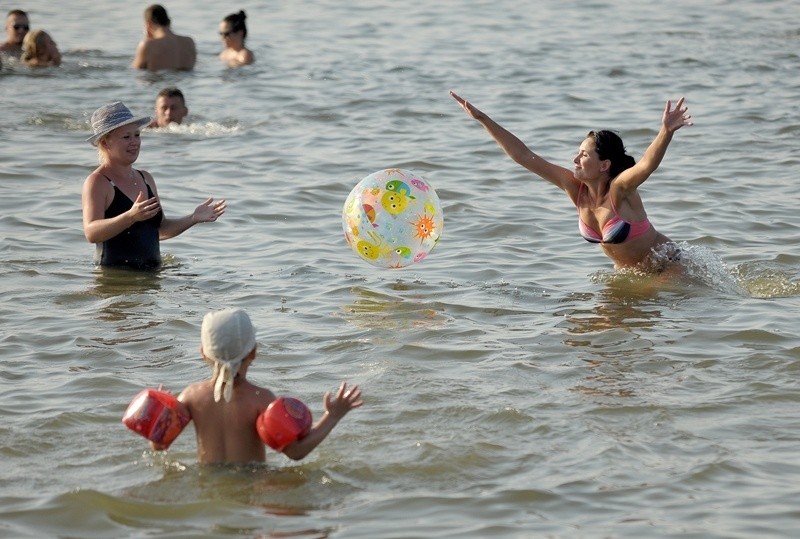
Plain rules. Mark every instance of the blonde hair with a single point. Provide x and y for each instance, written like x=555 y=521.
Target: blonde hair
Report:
x=102 y=156
x=34 y=44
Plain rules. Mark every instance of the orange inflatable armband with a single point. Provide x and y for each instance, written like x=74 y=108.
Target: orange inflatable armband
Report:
x=156 y=415
x=285 y=420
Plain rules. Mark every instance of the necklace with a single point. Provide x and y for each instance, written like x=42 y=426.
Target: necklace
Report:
x=131 y=178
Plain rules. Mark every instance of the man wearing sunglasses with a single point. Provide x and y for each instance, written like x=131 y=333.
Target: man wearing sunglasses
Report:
x=17 y=26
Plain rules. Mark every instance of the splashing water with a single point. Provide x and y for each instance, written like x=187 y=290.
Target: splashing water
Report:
x=701 y=266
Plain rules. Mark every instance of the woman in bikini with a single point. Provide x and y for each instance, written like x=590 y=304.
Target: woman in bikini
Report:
x=603 y=187
x=122 y=212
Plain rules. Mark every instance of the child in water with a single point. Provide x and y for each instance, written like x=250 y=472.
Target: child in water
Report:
x=225 y=407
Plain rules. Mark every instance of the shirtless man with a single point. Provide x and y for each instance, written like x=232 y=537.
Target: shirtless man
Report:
x=17 y=26
x=162 y=49
x=170 y=107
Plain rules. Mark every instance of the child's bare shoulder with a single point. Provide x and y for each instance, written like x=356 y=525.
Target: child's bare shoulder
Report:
x=196 y=390
x=262 y=394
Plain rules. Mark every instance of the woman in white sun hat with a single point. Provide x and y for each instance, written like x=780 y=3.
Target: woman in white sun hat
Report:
x=122 y=213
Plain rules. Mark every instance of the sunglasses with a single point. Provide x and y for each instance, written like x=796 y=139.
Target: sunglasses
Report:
x=22 y=27
x=226 y=34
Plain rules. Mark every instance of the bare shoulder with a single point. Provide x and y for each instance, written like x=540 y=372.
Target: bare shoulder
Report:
x=96 y=182
x=188 y=41
x=260 y=396
x=195 y=392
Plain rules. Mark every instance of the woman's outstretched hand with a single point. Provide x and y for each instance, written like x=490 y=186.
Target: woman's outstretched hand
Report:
x=209 y=211
x=467 y=106
x=674 y=119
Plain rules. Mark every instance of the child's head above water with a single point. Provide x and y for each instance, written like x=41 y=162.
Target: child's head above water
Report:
x=227 y=337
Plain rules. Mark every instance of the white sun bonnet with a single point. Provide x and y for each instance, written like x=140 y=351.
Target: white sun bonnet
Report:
x=227 y=337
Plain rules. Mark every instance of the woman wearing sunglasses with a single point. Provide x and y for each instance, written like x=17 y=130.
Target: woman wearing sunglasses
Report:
x=233 y=32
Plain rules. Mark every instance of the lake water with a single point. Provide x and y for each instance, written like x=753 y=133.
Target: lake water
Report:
x=515 y=385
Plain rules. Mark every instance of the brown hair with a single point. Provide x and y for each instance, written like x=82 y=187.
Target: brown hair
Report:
x=157 y=14
x=609 y=146
x=236 y=20
x=171 y=91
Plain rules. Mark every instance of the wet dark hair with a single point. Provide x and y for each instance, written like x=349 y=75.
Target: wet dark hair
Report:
x=609 y=146
x=236 y=20
x=171 y=91
x=157 y=14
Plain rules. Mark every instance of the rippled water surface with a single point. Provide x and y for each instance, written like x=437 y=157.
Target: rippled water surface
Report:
x=515 y=385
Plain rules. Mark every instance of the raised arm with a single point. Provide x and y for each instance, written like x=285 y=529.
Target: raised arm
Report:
x=671 y=120
x=518 y=151
x=335 y=409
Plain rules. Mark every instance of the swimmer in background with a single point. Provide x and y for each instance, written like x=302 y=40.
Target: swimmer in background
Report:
x=603 y=187
x=17 y=26
x=161 y=48
x=233 y=32
x=170 y=107
x=225 y=407
x=122 y=212
x=39 y=50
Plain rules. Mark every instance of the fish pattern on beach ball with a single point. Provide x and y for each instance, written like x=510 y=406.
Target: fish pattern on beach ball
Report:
x=392 y=218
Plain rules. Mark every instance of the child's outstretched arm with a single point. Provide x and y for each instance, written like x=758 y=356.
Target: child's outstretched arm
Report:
x=335 y=409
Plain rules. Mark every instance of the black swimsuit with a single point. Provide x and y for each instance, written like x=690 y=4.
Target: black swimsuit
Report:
x=135 y=247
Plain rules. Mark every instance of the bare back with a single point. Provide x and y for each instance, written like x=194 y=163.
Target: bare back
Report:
x=168 y=52
x=226 y=431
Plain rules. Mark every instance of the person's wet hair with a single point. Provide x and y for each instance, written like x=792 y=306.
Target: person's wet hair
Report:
x=236 y=20
x=171 y=91
x=35 y=43
x=609 y=146
x=157 y=14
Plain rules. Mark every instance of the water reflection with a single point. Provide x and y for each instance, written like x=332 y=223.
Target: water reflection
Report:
x=277 y=492
x=375 y=310
x=622 y=307
x=612 y=329
x=113 y=282
x=127 y=299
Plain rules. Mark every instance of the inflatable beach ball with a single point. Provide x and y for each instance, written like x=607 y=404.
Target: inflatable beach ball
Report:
x=392 y=218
